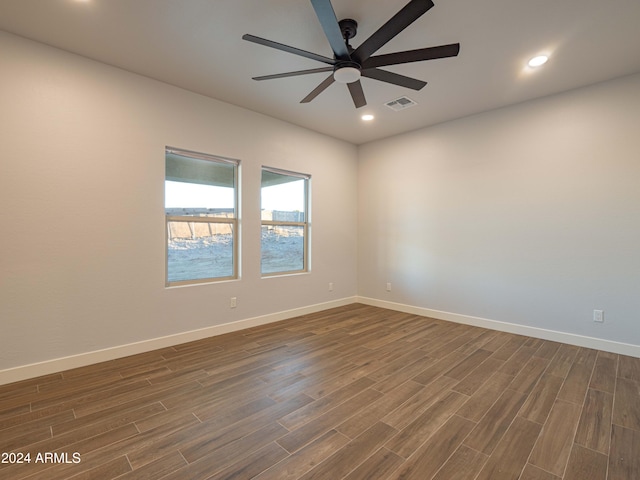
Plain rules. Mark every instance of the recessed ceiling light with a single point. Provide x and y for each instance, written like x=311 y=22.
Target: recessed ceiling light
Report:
x=538 y=60
x=367 y=117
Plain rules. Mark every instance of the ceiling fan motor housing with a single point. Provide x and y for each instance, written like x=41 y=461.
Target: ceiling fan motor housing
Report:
x=349 y=28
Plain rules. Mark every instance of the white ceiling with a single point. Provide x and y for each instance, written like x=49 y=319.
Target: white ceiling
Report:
x=197 y=45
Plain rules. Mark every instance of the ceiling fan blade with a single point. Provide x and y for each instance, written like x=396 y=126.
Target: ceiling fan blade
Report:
x=401 y=20
x=288 y=49
x=327 y=17
x=394 y=78
x=422 y=54
x=357 y=94
x=318 y=90
x=294 y=74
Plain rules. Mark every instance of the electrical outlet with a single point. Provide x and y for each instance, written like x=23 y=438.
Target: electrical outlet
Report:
x=388 y=286
x=331 y=286
x=598 y=316
x=233 y=303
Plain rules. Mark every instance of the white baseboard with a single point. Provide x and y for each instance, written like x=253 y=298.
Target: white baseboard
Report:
x=65 y=363
x=562 y=337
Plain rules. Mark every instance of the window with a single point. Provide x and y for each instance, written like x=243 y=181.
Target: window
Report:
x=201 y=217
x=285 y=217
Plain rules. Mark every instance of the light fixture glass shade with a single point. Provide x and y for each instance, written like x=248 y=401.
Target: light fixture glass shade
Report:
x=346 y=75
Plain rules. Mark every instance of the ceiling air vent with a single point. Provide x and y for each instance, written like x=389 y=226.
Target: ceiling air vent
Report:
x=400 y=103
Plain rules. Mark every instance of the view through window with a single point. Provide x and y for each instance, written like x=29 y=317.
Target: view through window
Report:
x=285 y=229
x=201 y=217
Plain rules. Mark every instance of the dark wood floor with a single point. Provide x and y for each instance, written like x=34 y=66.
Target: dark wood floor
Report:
x=356 y=392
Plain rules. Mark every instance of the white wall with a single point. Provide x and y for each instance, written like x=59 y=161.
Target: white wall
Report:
x=528 y=215
x=82 y=253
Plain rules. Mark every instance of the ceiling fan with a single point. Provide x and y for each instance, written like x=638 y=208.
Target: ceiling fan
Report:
x=349 y=64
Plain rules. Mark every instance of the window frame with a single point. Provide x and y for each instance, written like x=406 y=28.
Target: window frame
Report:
x=233 y=221
x=306 y=225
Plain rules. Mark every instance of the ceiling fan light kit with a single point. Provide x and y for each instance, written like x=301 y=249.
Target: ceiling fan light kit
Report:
x=349 y=64
x=346 y=74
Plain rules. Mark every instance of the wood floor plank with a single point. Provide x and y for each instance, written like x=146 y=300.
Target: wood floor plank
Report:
x=585 y=463
x=126 y=398
x=594 y=427
x=442 y=349
x=624 y=460
x=17 y=418
x=115 y=388
x=30 y=384
x=470 y=363
x=352 y=454
x=403 y=374
x=534 y=473
x=89 y=468
x=478 y=342
x=335 y=382
x=364 y=419
x=497 y=342
x=220 y=455
x=514 y=364
x=390 y=368
x=481 y=401
x=629 y=368
x=121 y=417
x=211 y=435
x=324 y=404
x=425 y=462
x=626 y=410
x=157 y=446
x=42 y=423
x=21 y=440
x=508 y=349
x=465 y=463
x=510 y=456
x=413 y=435
x=586 y=356
x=547 y=350
x=9 y=412
x=301 y=462
x=554 y=445
x=576 y=383
x=604 y=372
x=110 y=470
x=156 y=469
x=378 y=465
x=84 y=444
x=162 y=418
x=529 y=375
x=495 y=423
x=415 y=406
x=477 y=377
x=541 y=399
x=253 y=464
x=327 y=421
x=563 y=360
x=435 y=370
x=232 y=413
x=20 y=392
